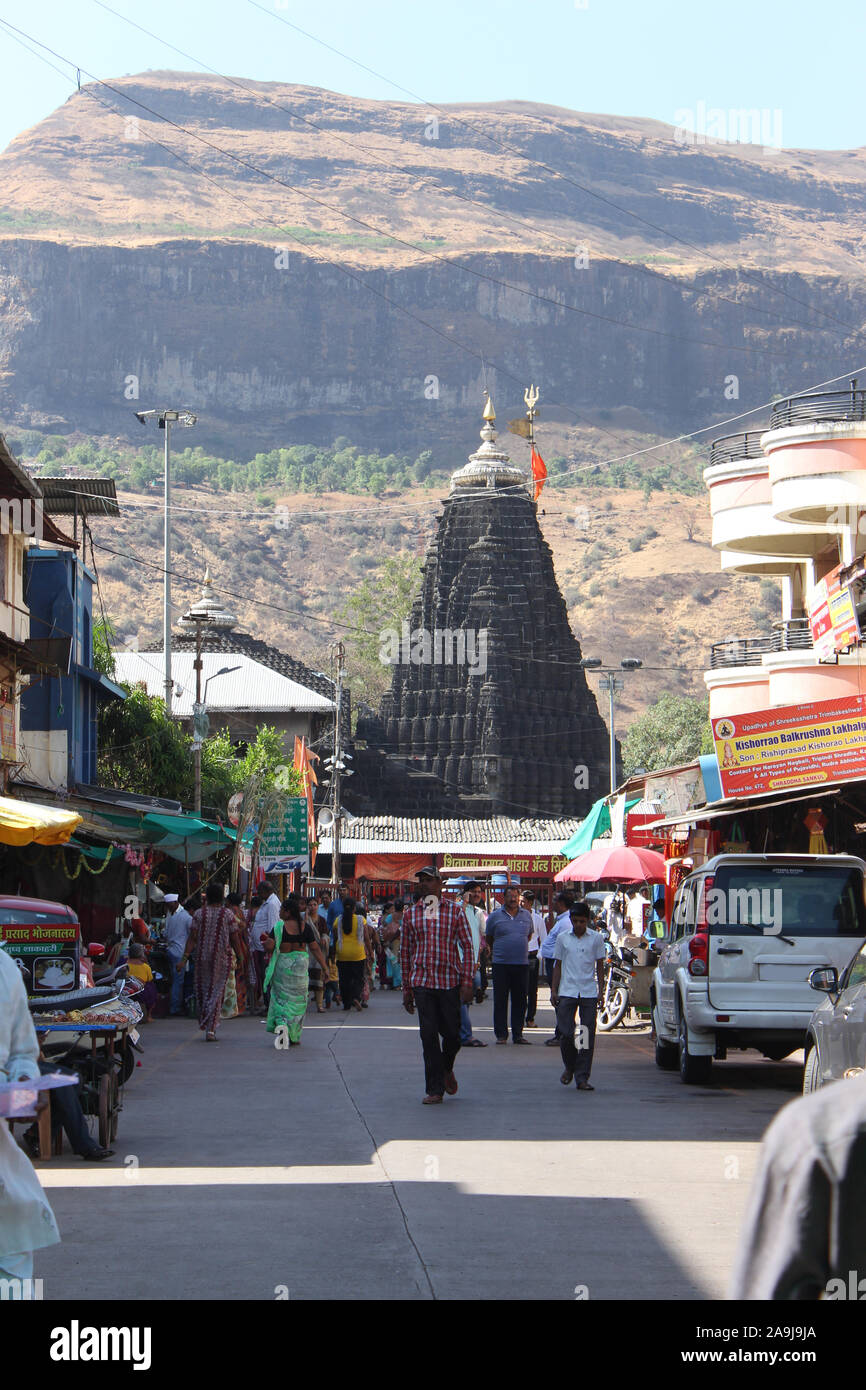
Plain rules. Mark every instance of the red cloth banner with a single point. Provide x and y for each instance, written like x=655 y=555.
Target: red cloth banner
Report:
x=396 y=867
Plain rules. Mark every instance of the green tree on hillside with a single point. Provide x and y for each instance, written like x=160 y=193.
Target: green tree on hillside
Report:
x=377 y=606
x=672 y=731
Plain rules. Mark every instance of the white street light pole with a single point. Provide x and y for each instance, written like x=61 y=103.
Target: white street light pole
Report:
x=165 y=419
x=166 y=554
x=613 y=685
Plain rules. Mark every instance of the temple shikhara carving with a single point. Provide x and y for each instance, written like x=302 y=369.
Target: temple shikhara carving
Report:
x=489 y=711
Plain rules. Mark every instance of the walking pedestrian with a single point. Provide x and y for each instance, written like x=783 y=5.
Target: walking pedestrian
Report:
x=559 y=922
x=539 y=932
x=475 y=919
x=266 y=918
x=351 y=950
x=508 y=931
x=26 y=1220
x=578 y=988
x=436 y=960
x=287 y=976
x=177 y=925
x=237 y=988
x=318 y=971
x=212 y=936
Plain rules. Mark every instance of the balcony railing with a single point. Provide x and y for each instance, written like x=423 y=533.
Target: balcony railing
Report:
x=791 y=635
x=733 y=447
x=820 y=405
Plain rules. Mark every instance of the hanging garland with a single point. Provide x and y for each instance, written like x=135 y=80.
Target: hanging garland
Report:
x=60 y=860
x=141 y=860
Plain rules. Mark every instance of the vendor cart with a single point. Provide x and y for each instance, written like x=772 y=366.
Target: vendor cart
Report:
x=97 y=1051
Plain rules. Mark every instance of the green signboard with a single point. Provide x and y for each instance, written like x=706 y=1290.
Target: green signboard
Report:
x=286 y=833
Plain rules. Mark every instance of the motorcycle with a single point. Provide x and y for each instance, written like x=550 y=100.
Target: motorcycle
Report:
x=627 y=984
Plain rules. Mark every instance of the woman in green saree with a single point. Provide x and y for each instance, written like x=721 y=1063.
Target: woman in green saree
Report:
x=287 y=975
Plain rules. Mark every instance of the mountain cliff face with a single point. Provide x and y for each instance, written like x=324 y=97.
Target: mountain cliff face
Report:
x=127 y=276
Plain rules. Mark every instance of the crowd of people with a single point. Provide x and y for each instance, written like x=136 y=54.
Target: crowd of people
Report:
x=271 y=959
x=277 y=956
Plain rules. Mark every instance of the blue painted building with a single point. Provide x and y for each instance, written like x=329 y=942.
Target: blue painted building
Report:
x=59 y=708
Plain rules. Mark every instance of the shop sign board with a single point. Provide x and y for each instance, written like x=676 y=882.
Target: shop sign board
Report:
x=513 y=863
x=793 y=746
x=832 y=616
x=286 y=834
x=45 y=948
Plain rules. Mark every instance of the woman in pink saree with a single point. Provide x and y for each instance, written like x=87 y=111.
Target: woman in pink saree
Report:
x=212 y=937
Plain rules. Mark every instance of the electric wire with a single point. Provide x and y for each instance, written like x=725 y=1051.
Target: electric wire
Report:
x=549 y=169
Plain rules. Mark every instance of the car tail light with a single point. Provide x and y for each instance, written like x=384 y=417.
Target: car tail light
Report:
x=699 y=946
x=699 y=954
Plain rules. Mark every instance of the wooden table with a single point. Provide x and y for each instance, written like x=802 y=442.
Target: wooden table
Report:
x=108 y=1088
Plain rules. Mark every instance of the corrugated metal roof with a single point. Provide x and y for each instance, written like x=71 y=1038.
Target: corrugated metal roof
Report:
x=252 y=686
x=420 y=834
x=87 y=496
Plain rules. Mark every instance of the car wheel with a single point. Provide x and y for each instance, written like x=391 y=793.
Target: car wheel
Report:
x=666 y=1052
x=811 y=1073
x=694 y=1071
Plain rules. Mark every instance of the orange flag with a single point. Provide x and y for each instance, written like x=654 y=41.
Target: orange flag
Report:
x=539 y=472
x=302 y=762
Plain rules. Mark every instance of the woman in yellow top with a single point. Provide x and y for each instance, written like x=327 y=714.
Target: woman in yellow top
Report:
x=139 y=968
x=353 y=944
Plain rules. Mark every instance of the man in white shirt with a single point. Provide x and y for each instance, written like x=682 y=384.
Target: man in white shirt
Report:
x=26 y=1220
x=578 y=985
x=536 y=941
x=475 y=917
x=177 y=925
x=636 y=914
x=263 y=924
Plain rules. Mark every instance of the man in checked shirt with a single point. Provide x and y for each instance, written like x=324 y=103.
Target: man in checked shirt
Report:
x=437 y=977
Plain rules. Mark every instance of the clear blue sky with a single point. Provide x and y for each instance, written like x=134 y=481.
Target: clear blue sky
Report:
x=622 y=57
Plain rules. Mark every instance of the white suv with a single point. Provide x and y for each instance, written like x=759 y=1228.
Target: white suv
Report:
x=747 y=931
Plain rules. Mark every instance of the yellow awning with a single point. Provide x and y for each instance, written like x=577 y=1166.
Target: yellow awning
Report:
x=24 y=822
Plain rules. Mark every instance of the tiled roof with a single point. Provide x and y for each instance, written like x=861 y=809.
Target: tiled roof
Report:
x=230 y=643
x=415 y=835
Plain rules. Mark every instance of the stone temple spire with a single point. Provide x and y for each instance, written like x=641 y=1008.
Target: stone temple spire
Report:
x=489 y=711
x=488 y=466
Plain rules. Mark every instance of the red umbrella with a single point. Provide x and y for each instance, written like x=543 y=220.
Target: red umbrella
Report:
x=622 y=865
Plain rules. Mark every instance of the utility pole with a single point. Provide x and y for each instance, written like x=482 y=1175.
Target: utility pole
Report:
x=613 y=685
x=165 y=420
x=337 y=767
x=206 y=613
x=196 y=731
x=166 y=551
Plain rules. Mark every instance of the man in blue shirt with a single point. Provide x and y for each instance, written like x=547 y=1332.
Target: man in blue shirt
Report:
x=508 y=931
x=561 y=904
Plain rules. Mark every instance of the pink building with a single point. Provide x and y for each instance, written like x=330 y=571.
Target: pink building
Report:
x=789 y=503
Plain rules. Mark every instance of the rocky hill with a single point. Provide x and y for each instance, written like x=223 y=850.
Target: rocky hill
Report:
x=296 y=265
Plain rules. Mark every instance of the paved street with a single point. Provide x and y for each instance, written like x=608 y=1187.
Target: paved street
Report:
x=242 y=1170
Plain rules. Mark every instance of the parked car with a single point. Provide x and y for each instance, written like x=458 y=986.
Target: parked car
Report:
x=836 y=1040
x=747 y=932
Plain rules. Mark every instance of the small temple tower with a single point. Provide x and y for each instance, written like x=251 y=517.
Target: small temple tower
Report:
x=489 y=711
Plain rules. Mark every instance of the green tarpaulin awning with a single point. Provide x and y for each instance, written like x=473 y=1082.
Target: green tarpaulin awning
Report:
x=596 y=823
